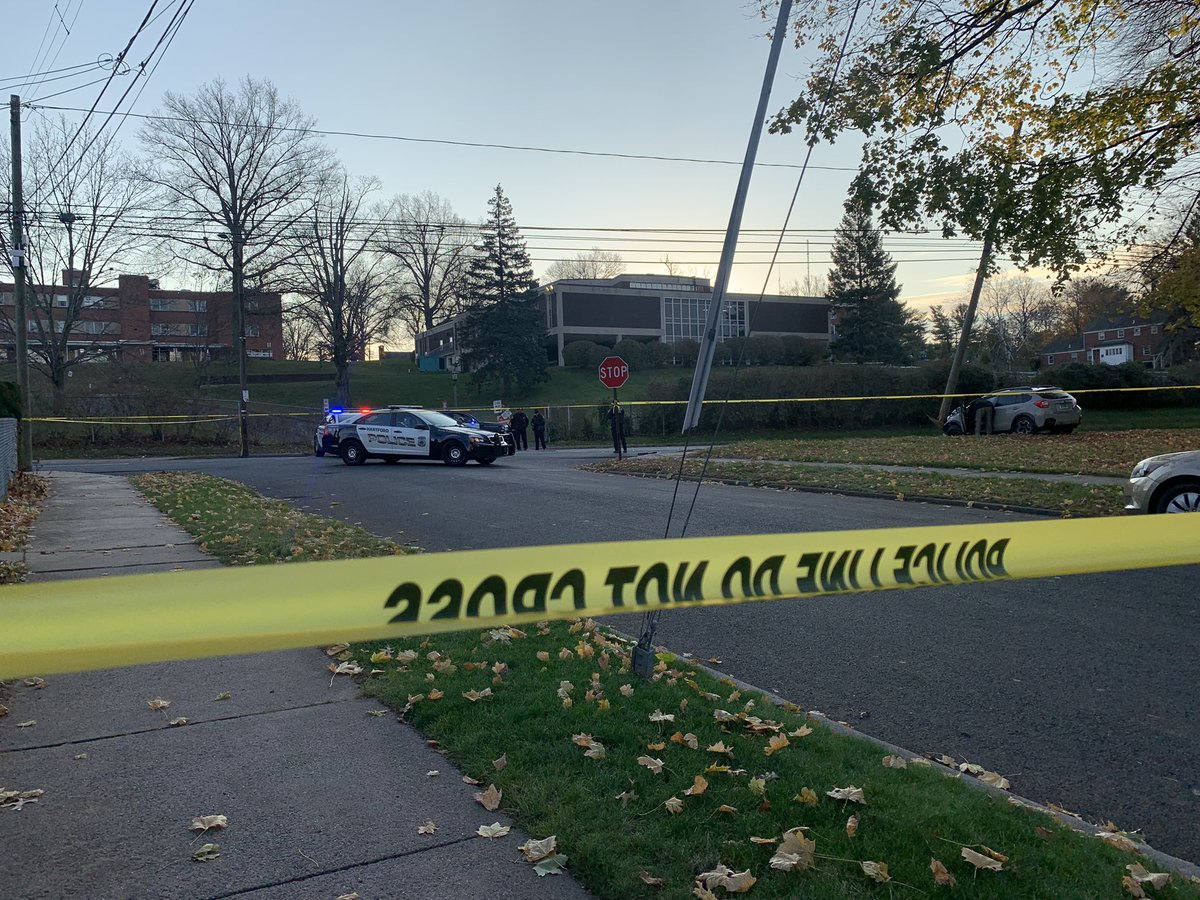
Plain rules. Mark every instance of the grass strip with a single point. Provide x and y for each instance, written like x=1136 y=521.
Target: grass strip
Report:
x=241 y=527
x=542 y=699
x=1069 y=500
x=1082 y=453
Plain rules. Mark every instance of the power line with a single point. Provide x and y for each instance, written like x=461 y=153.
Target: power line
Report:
x=478 y=144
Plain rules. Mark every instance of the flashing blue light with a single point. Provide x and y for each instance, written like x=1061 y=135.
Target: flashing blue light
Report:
x=336 y=410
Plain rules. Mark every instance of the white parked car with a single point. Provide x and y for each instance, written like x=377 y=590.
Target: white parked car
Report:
x=1169 y=483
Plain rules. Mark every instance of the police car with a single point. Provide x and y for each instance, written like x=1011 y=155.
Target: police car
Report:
x=325 y=440
x=410 y=432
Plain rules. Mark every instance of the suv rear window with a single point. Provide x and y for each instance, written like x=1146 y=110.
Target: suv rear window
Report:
x=1053 y=395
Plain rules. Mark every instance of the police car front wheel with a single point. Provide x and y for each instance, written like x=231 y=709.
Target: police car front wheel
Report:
x=454 y=454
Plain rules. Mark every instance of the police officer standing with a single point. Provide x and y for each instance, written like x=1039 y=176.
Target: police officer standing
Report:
x=539 y=430
x=616 y=421
x=520 y=424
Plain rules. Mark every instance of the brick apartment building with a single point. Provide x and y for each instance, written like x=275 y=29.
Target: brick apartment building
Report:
x=1110 y=341
x=139 y=322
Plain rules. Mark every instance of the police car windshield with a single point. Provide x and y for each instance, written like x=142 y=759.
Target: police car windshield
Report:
x=437 y=418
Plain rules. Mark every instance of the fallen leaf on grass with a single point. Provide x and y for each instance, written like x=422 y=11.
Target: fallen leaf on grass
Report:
x=435 y=694
x=876 y=870
x=650 y=879
x=802 y=731
x=674 y=805
x=895 y=762
x=626 y=690
x=158 y=703
x=1157 y=880
x=724 y=877
x=719 y=747
x=657 y=745
x=775 y=744
x=625 y=797
x=543 y=656
x=852 y=826
x=686 y=740
x=490 y=799
x=381 y=656
x=758 y=840
x=595 y=750
x=850 y=793
x=474 y=695
x=758 y=787
x=467 y=779
x=551 y=865
x=207 y=852
x=727 y=809
x=795 y=851
x=428 y=828
x=941 y=875
x=499 y=764
x=346 y=668
x=1132 y=887
x=659 y=716
x=204 y=823
x=979 y=861
x=699 y=786
x=1120 y=841
x=654 y=765
x=534 y=850
x=564 y=653
x=493 y=831
x=808 y=797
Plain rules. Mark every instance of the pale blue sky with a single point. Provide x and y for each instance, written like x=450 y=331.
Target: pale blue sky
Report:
x=661 y=77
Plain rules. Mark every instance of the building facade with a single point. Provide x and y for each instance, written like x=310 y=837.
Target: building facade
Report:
x=136 y=321
x=1111 y=341
x=666 y=308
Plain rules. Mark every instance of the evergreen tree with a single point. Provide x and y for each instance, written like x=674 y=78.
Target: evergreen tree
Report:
x=505 y=332
x=872 y=323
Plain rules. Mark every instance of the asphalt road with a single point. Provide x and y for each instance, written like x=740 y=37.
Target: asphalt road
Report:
x=1080 y=689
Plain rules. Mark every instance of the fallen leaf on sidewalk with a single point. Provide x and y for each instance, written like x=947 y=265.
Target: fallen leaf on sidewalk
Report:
x=335 y=649
x=181 y=720
x=207 y=852
x=551 y=865
x=467 y=779
x=534 y=850
x=38 y=683
x=428 y=828
x=495 y=830
x=351 y=896
x=204 y=823
x=995 y=780
x=224 y=695
x=3 y=710
x=28 y=724
x=433 y=773
x=376 y=713
x=490 y=799
x=80 y=756
x=158 y=703
x=346 y=668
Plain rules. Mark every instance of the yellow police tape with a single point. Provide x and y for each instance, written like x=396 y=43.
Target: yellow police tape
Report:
x=68 y=626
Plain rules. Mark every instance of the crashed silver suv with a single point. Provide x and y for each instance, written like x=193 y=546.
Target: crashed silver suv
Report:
x=1020 y=410
x=1169 y=483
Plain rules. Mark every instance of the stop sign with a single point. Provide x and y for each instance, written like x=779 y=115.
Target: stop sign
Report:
x=613 y=372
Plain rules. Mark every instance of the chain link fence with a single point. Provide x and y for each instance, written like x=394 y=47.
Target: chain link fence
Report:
x=8 y=453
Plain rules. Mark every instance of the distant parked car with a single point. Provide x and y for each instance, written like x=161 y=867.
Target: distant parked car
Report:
x=1169 y=483
x=325 y=440
x=1020 y=410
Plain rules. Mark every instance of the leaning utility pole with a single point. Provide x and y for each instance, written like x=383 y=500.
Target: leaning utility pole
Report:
x=20 y=267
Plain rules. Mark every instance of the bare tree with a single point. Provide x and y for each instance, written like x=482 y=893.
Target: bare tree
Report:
x=1018 y=313
x=299 y=334
x=432 y=248
x=339 y=281
x=241 y=167
x=82 y=193
x=809 y=286
x=594 y=263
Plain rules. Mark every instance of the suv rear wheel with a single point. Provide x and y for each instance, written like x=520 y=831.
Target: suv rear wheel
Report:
x=353 y=453
x=1024 y=425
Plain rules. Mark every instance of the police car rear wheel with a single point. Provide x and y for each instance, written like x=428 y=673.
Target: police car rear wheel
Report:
x=454 y=454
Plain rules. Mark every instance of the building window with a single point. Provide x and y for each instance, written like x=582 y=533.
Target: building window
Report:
x=653 y=286
x=1146 y=350
x=1050 y=359
x=178 y=304
x=1120 y=332
x=1074 y=356
x=253 y=331
x=684 y=319
x=93 y=327
x=1137 y=332
x=1154 y=329
x=1100 y=336
x=178 y=329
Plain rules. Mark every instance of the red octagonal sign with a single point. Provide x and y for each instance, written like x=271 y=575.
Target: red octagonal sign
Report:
x=613 y=372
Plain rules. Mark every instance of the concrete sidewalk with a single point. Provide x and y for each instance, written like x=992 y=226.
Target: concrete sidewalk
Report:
x=322 y=799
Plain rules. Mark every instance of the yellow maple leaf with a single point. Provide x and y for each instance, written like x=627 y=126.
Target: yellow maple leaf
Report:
x=699 y=786
x=775 y=744
x=807 y=796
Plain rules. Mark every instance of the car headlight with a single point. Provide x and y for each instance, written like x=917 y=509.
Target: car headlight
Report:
x=1146 y=466
x=477 y=439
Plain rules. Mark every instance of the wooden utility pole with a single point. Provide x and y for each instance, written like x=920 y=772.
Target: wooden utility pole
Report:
x=239 y=337
x=20 y=267
x=964 y=337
